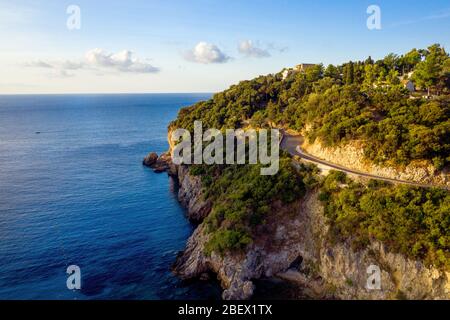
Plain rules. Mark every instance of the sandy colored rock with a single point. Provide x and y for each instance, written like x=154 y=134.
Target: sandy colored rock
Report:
x=326 y=270
x=351 y=156
x=293 y=245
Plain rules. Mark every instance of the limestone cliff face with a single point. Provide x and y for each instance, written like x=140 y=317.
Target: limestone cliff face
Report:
x=190 y=188
x=190 y=194
x=170 y=141
x=293 y=245
x=351 y=156
x=345 y=270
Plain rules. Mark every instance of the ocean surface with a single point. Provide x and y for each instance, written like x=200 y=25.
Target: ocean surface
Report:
x=73 y=191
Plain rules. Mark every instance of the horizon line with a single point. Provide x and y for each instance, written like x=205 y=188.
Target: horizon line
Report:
x=101 y=93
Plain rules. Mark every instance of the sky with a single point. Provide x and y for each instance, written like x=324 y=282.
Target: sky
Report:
x=142 y=46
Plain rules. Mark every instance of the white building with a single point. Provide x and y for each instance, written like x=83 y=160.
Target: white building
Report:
x=408 y=84
x=298 y=68
x=302 y=67
x=286 y=73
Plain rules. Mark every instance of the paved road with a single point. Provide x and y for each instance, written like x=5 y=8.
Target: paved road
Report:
x=292 y=143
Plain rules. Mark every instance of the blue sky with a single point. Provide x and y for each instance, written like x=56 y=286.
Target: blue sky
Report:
x=197 y=46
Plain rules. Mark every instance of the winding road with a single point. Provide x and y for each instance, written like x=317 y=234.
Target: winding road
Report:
x=292 y=143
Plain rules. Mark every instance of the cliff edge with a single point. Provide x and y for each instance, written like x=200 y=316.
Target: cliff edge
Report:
x=294 y=246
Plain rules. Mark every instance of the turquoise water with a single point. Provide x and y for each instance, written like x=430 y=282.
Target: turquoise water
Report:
x=73 y=191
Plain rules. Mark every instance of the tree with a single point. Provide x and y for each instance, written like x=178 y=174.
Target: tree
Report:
x=332 y=72
x=444 y=78
x=315 y=73
x=369 y=60
x=349 y=73
x=382 y=75
x=391 y=61
x=428 y=72
x=392 y=77
x=410 y=60
x=371 y=73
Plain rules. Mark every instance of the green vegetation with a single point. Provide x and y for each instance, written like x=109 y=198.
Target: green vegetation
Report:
x=243 y=199
x=363 y=101
x=409 y=220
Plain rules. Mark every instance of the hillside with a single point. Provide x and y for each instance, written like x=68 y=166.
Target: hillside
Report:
x=357 y=101
x=246 y=216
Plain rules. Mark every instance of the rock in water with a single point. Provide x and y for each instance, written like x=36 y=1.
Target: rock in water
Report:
x=162 y=163
x=150 y=159
x=158 y=164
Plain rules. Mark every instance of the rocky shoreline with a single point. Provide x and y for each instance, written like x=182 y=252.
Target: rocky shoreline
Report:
x=294 y=246
x=160 y=163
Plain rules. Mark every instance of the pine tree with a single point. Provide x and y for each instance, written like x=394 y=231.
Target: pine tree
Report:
x=349 y=73
x=428 y=72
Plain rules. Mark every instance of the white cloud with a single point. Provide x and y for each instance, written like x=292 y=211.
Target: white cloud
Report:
x=249 y=49
x=38 y=64
x=275 y=47
x=99 y=60
x=206 y=53
x=72 y=65
x=61 y=74
x=122 y=61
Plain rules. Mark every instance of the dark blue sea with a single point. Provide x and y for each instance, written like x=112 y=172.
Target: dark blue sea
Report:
x=73 y=192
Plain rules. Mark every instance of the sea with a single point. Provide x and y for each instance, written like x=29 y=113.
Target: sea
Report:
x=73 y=192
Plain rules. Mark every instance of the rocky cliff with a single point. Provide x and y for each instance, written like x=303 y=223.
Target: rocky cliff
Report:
x=293 y=245
x=190 y=194
x=351 y=156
